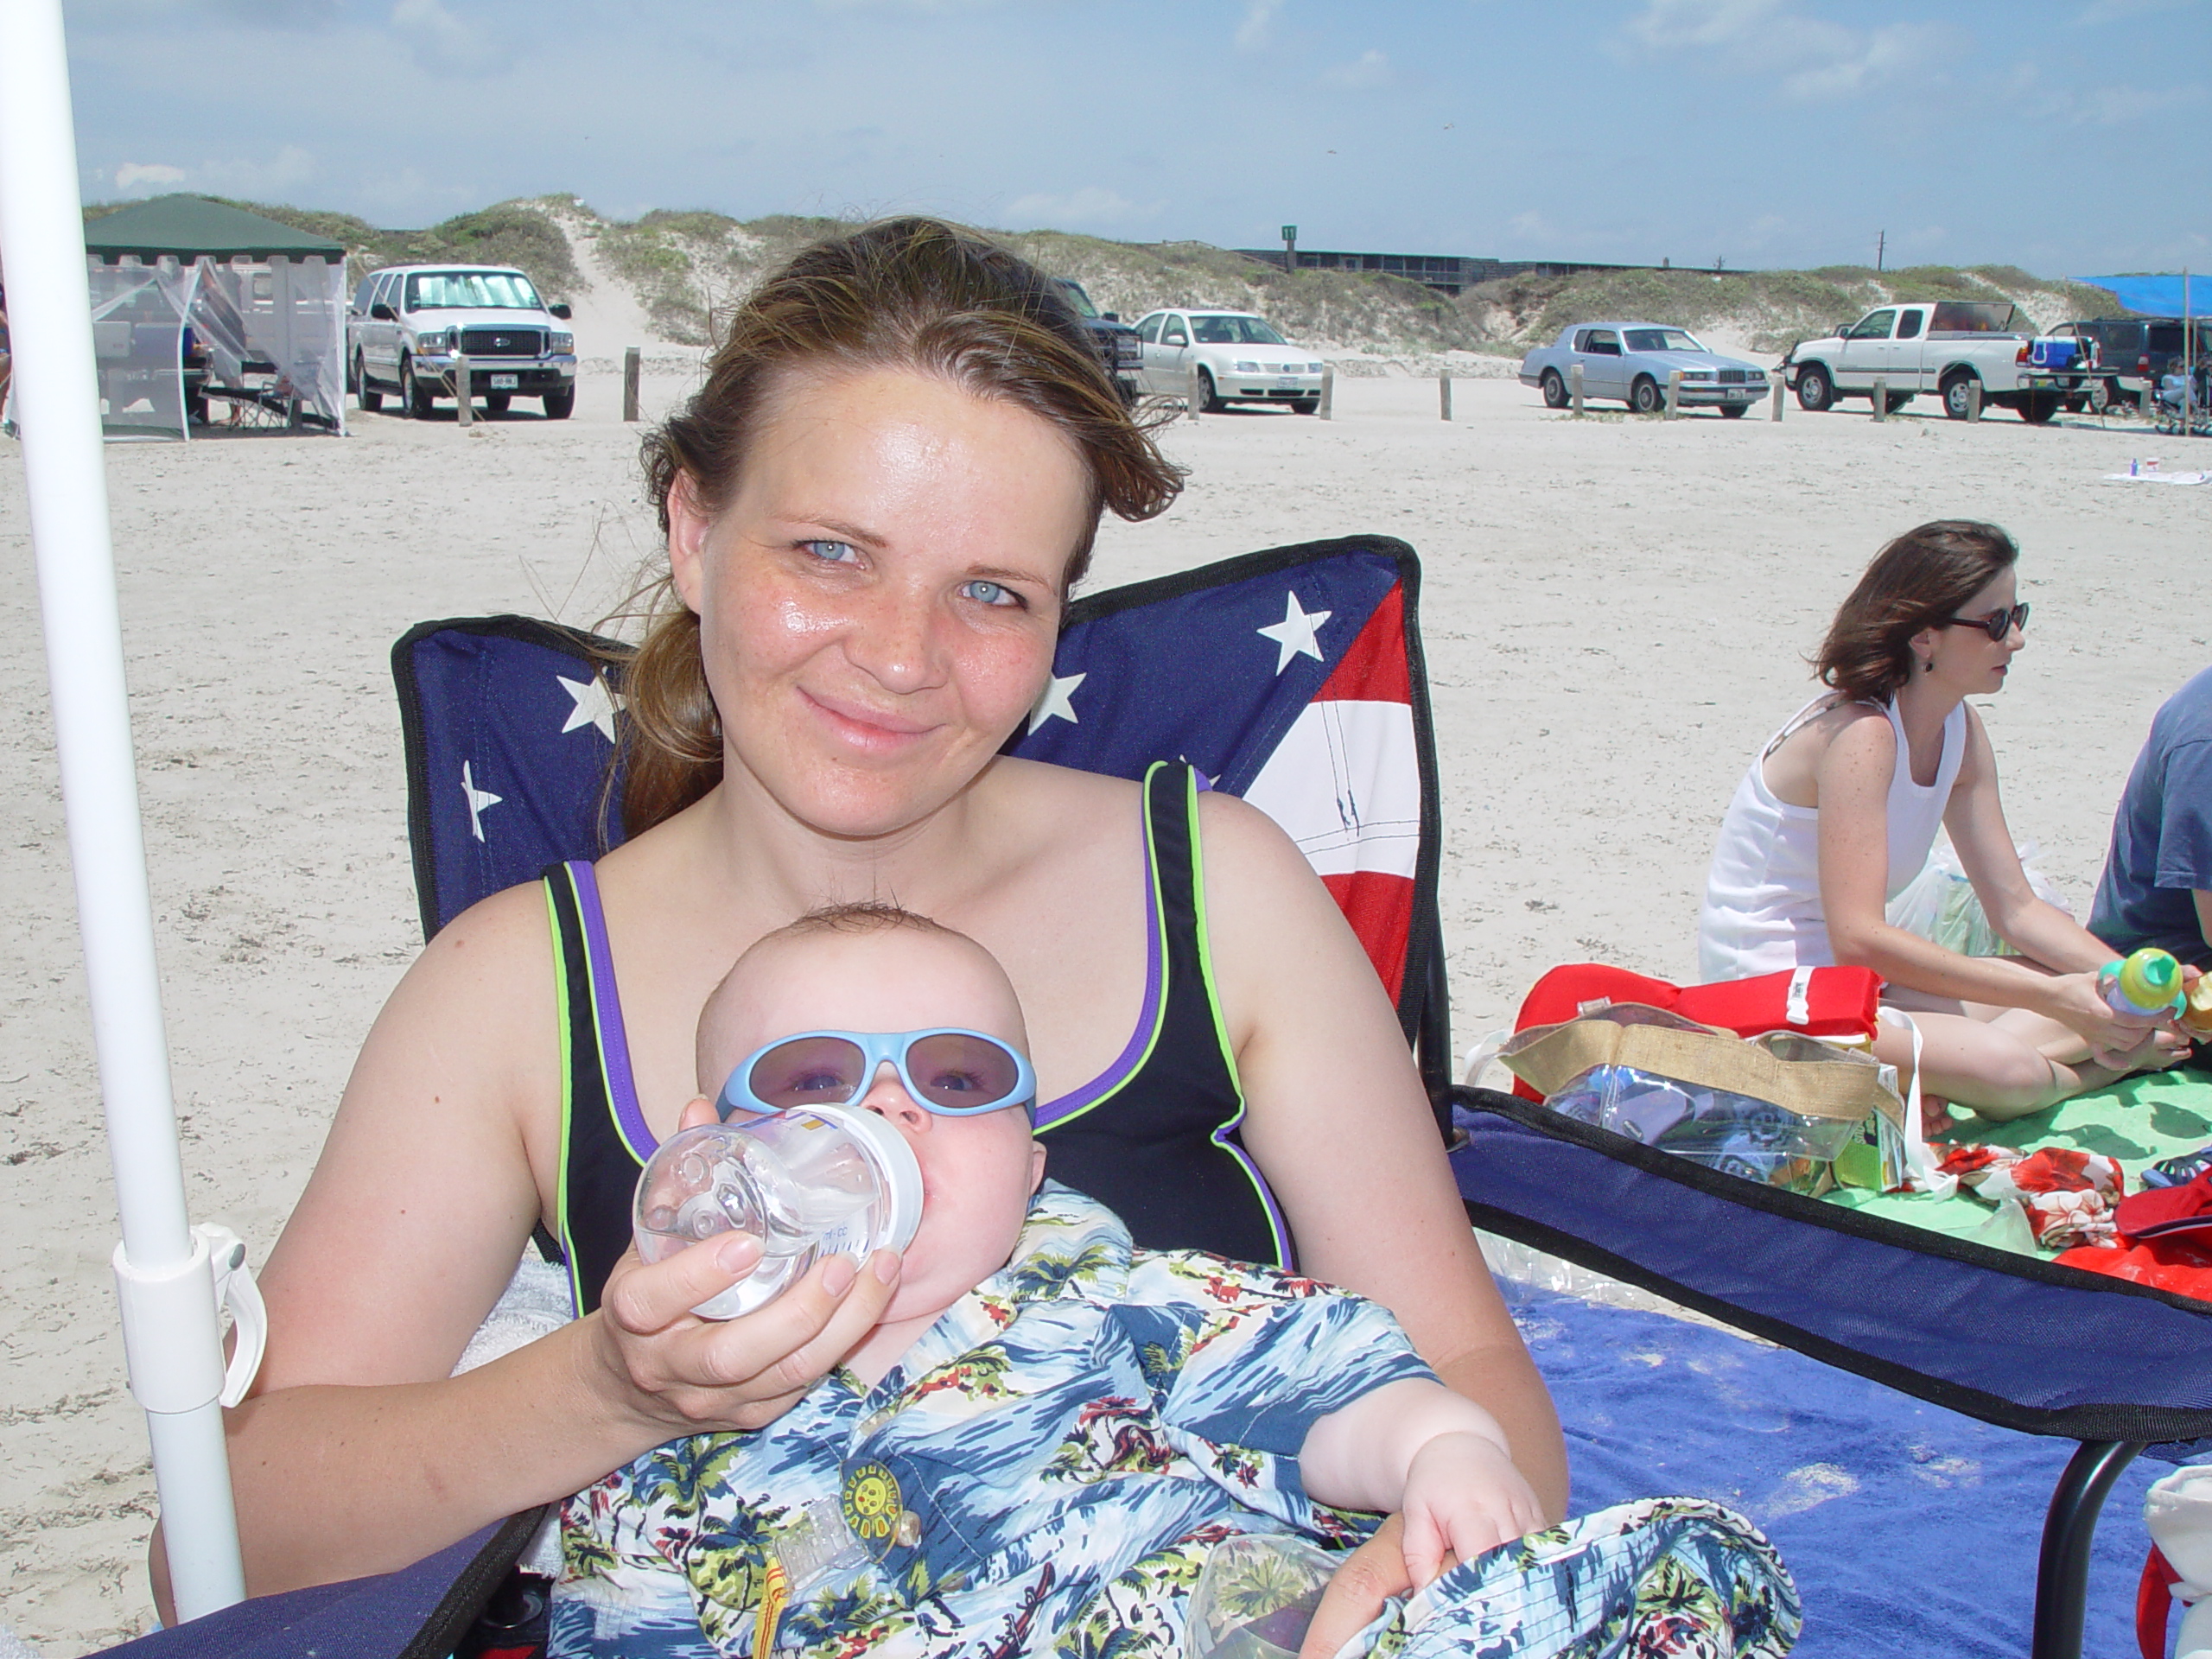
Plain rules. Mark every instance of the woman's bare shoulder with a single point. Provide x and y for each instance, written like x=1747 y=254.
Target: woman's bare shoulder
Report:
x=1061 y=806
x=504 y=933
x=476 y=1005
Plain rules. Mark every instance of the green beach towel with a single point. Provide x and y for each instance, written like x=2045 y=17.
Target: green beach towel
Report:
x=2138 y=1121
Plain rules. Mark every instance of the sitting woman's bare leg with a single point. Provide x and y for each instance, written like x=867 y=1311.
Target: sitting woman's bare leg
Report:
x=1987 y=1065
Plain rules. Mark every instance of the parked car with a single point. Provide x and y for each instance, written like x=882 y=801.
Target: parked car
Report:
x=2133 y=352
x=1631 y=361
x=1115 y=340
x=1240 y=359
x=1945 y=346
x=407 y=323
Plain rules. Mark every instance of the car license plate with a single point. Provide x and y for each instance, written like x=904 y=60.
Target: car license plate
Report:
x=1286 y=385
x=1736 y=394
x=505 y=382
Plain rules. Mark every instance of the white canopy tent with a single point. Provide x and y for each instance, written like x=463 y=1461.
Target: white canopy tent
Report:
x=196 y=302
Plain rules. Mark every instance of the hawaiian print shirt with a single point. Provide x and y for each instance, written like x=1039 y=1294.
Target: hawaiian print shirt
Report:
x=1083 y=1410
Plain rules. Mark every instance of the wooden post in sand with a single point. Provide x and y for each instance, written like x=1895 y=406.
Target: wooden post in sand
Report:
x=1444 y=394
x=2144 y=400
x=1328 y=392
x=1781 y=383
x=1195 y=396
x=1881 y=396
x=1974 y=399
x=464 y=411
x=630 y=384
x=1674 y=394
x=1575 y=375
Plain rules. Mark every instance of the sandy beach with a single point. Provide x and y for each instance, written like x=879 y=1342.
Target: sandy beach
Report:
x=1617 y=614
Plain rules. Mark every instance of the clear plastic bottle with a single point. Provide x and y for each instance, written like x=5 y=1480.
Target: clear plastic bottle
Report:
x=824 y=1180
x=1255 y=1598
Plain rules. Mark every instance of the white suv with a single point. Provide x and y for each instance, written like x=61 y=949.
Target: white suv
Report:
x=408 y=322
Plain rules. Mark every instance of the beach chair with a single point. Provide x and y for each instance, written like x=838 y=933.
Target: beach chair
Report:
x=2023 y=1344
x=1292 y=678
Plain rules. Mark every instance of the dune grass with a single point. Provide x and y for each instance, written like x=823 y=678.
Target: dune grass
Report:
x=690 y=268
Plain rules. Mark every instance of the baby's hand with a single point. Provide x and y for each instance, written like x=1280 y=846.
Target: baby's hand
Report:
x=1463 y=1496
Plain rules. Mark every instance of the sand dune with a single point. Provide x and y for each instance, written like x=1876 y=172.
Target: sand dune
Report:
x=1616 y=615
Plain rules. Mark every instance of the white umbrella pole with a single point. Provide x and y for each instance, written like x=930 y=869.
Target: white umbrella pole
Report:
x=161 y=1268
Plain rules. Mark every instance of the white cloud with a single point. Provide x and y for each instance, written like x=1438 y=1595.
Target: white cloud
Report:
x=1370 y=69
x=1259 y=22
x=1672 y=23
x=131 y=175
x=440 y=40
x=1092 y=204
x=261 y=180
x=1810 y=59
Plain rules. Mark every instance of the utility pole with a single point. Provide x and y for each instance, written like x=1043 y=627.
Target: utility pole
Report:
x=1881 y=246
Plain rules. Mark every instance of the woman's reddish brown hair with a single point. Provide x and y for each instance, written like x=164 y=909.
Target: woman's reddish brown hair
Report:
x=1921 y=580
x=912 y=294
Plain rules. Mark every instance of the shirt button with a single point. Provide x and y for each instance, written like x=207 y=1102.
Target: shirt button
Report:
x=909 y=1530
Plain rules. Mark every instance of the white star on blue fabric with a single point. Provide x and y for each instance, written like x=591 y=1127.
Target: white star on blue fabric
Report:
x=1293 y=635
x=594 y=705
x=1058 y=700
x=478 y=800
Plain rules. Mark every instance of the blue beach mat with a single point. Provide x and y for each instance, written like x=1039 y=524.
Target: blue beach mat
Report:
x=1910 y=1529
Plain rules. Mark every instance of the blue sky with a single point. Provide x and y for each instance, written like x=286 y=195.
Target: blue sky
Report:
x=1761 y=133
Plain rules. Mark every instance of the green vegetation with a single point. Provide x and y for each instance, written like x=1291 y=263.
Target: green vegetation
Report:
x=1769 y=309
x=519 y=233
x=691 y=269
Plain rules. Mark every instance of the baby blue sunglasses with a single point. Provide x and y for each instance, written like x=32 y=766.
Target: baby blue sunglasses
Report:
x=948 y=1070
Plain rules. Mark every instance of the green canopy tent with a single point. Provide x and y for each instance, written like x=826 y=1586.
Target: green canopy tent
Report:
x=194 y=300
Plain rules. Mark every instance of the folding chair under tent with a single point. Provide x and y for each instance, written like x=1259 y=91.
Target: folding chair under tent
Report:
x=1295 y=678
x=194 y=300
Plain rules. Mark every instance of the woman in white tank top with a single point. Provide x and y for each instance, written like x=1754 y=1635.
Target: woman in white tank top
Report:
x=1838 y=814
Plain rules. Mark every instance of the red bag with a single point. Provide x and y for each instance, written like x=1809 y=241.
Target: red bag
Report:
x=1818 y=1001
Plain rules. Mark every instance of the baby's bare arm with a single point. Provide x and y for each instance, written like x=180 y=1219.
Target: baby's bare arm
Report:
x=1418 y=1449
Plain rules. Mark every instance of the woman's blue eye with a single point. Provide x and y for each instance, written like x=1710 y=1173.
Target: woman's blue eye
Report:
x=832 y=552
x=991 y=593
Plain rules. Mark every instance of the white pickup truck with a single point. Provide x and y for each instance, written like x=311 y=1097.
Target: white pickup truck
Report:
x=1946 y=347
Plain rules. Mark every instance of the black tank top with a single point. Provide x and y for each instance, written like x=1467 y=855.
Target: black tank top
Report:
x=1154 y=1136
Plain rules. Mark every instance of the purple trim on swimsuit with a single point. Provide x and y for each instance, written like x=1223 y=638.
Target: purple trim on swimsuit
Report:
x=1286 y=1249
x=607 y=1004
x=1139 y=1043
x=614 y=1042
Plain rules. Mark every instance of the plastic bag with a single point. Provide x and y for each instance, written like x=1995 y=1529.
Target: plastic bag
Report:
x=1734 y=1133
x=1941 y=906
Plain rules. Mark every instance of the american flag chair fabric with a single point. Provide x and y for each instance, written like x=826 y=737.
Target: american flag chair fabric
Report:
x=1292 y=678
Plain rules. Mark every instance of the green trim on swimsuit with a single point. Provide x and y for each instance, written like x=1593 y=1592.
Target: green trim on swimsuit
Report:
x=567 y=1094
x=1276 y=1224
x=1159 y=908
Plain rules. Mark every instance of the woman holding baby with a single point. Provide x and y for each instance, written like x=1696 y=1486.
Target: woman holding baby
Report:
x=875 y=510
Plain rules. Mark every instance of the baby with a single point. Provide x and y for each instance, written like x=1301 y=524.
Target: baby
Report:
x=1048 y=1429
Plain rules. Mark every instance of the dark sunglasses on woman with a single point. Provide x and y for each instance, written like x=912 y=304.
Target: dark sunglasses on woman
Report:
x=1996 y=625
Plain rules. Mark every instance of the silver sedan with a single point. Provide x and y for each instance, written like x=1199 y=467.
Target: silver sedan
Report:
x=1631 y=361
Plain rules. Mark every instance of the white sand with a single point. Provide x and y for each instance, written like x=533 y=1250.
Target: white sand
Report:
x=1616 y=615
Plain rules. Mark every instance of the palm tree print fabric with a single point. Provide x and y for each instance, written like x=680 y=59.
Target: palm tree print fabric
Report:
x=1047 y=1469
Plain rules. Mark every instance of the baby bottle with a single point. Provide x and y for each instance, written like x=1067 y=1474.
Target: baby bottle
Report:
x=808 y=1182
x=1255 y=1597
x=2147 y=983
